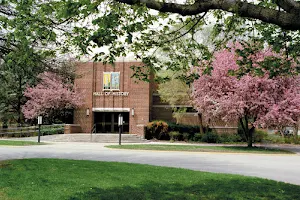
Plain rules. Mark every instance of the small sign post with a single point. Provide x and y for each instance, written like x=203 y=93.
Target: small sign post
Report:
x=40 y=122
x=120 y=123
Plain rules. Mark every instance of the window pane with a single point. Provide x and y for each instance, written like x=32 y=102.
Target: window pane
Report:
x=106 y=80
x=115 y=80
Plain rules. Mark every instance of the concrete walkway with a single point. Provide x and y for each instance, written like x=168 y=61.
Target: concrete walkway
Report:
x=284 y=168
x=86 y=137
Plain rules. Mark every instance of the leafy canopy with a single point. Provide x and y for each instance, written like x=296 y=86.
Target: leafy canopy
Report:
x=172 y=35
x=160 y=33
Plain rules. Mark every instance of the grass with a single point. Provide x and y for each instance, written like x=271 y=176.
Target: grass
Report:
x=35 y=179
x=196 y=148
x=18 y=143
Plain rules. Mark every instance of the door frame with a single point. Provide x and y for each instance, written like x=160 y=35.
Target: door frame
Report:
x=103 y=123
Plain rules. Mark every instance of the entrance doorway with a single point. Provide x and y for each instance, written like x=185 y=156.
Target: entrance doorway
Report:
x=107 y=122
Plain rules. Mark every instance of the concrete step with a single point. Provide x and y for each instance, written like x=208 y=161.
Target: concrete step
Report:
x=87 y=137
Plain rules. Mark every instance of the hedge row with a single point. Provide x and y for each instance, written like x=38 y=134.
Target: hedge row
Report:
x=25 y=132
x=209 y=137
x=161 y=130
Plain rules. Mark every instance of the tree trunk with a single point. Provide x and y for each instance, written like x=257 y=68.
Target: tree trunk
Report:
x=296 y=131
x=250 y=141
x=250 y=138
x=200 y=123
x=248 y=132
x=281 y=131
x=244 y=128
x=4 y=124
x=19 y=93
x=19 y=110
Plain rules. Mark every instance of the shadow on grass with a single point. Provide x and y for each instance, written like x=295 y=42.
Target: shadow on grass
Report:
x=211 y=189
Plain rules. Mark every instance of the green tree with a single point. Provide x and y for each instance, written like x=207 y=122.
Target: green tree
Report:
x=176 y=91
x=28 y=38
x=27 y=23
x=19 y=68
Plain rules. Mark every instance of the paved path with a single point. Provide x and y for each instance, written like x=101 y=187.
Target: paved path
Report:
x=277 y=167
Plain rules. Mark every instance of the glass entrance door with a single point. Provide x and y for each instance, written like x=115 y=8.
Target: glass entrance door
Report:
x=107 y=122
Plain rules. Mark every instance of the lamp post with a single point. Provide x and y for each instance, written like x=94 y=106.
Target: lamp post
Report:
x=120 y=123
x=40 y=121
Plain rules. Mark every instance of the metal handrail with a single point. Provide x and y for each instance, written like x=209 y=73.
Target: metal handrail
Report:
x=93 y=129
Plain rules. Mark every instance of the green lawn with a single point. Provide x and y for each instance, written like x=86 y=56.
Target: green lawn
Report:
x=18 y=143
x=196 y=148
x=68 y=179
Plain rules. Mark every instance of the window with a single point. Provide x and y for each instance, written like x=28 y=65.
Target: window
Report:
x=111 y=80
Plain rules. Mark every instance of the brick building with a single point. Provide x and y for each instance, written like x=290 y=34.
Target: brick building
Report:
x=109 y=91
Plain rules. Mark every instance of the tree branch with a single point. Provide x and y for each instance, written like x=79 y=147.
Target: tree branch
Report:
x=289 y=6
x=6 y=10
x=194 y=25
x=287 y=20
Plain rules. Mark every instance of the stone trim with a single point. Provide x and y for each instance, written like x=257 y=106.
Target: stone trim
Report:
x=111 y=109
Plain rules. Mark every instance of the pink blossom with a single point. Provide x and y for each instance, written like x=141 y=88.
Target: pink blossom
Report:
x=50 y=94
x=270 y=102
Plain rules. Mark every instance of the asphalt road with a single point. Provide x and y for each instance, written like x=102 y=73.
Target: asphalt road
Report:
x=284 y=168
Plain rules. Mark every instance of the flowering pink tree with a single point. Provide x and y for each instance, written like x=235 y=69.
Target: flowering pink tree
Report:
x=254 y=101
x=49 y=96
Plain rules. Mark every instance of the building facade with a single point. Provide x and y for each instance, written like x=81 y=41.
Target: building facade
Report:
x=109 y=91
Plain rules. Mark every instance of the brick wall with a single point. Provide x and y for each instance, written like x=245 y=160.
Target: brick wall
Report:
x=163 y=111
x=72 y=128
x=84 y=83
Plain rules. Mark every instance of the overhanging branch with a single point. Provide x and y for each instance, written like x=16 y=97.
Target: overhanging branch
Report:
x=287 y=19
x=289 y=6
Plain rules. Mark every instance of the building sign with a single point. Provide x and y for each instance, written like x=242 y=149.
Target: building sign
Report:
x=111 y=94
x=111 y=80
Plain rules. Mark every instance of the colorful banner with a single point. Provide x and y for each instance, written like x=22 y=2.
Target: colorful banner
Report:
x=115 y=80
x=106 y=81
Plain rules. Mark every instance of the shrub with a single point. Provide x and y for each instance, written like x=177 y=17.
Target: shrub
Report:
x=52 y=131
x=273 y=138
x=288 y=140
x=186 y=136
x=197 y=137
x=296 y=140
x=291 y=139
x=182 y=128
x=210 y=137
x=188 y=132
x=174 y=135
x=229 y=138
x=278 y=139
x=157 y=130
x=259 y=135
